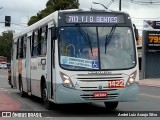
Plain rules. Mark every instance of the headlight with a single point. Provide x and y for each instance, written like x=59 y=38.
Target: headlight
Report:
x=131 y=78
x=66 y=80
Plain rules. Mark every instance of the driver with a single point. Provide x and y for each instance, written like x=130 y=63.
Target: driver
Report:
x=116 y=41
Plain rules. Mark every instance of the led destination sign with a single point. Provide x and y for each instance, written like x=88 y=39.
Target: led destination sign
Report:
x=94 y=18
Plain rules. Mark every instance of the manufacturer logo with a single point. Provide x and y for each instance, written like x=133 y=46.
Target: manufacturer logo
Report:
x=76 y=85
x=99 y=72
x=100 y=87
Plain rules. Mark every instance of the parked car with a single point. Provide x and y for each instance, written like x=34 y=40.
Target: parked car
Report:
x=8 y=65
x=3 y=65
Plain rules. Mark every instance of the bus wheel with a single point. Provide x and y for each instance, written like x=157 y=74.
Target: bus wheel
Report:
x=22 y=94
x=111 y=105
x=47 y=103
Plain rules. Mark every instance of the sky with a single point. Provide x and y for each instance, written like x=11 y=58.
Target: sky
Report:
x=21 y=11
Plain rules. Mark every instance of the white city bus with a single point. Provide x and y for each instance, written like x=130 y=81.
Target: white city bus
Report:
x=78 y=56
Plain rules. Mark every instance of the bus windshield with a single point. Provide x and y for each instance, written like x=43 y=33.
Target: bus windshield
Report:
x=89 y=48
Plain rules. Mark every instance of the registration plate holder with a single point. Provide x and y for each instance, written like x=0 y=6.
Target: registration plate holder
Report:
x=100 y=94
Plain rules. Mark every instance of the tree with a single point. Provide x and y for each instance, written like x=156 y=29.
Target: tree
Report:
x=53 y=5
x=32 y=20
x=6 y=44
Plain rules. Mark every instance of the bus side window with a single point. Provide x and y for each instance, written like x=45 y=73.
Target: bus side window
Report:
x=17 y=49
x=24 y=46
x=34 y=43
x=20 y=48
x=42 y=41
x=39 y=41
x=30 y=39
x=45 y=36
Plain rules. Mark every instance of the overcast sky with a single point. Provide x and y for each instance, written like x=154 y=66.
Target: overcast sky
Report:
x=21 y=10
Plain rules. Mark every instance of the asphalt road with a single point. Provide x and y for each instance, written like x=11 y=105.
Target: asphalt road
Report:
x=149 y=102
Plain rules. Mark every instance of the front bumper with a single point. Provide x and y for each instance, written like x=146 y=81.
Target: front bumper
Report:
x=66 y=95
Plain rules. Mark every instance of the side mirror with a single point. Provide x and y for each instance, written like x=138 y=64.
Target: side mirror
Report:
x=54 y=33
x=136 y=32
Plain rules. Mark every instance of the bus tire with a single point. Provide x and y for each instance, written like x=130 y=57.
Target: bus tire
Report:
x=46 y=102
x=22 y=94
x=111 y=105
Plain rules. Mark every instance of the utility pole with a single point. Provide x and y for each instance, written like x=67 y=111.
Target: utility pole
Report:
x=119 y=5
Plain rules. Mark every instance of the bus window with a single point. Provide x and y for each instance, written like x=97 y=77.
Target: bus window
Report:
x=34 y=43
x=44 y=41
x=20 y=47
x=24 y=46
x=79 y=43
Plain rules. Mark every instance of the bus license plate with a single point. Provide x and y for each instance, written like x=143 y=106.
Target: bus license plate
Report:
x=100 y=94
x=116 y=84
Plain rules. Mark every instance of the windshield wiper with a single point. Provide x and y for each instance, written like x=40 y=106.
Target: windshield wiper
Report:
x=85 y=36
x=108 y=37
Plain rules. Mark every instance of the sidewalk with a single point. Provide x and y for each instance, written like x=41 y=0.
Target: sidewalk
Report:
x=155 y=82
x=7 y=103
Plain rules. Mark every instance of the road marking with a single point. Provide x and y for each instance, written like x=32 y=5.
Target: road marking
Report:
x=3 y=76
x=153 y=96
x=5 y=90
x=150 y=85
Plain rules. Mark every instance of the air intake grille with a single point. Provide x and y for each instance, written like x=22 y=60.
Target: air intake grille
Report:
x=90 y=84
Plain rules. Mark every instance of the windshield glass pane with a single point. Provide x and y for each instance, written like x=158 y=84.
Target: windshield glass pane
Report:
x=118 y=52
x=96 y=48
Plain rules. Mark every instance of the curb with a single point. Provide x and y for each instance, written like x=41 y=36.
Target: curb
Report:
x=149 y=85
